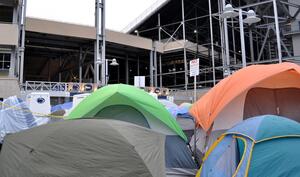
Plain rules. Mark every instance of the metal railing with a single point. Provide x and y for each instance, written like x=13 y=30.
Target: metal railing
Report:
x=71 y=87
x=292 y=28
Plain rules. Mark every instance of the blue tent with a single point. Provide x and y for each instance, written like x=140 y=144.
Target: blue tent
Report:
x=170 y=106
x=261 y=146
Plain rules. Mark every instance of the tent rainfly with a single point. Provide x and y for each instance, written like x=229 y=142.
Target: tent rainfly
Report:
x=130 y=104
x=261 y=146
x=90 y=147
x=251 y=91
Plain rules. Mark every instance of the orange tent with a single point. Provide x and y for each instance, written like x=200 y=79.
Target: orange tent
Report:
x=252 y=91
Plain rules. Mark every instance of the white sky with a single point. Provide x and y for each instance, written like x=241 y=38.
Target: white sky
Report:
x=119 y=13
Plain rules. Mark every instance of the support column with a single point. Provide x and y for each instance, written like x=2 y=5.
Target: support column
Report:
x=99 y=56
x=155 y=68
x=242 y=38
x=80 y=65
x=127 y=70
x=138 y=66
x=277 y=31
x=22 y=48
x=226 y=40
x=160 y=64
x=151 y=68
x=186 y=81
x=212 y=43
x=251 y=43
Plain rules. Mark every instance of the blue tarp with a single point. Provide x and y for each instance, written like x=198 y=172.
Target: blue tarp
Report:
x=170 y=106
x=15 y=116
x=59 y=107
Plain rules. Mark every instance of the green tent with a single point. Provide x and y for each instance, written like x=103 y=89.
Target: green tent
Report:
x=261 y=146
x=130 y=104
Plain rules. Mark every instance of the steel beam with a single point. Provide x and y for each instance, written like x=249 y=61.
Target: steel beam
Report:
x=184 y=47
x=277 y=31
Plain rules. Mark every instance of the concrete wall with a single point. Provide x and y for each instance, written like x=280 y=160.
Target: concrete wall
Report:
x=9 y=87
x=9 y=34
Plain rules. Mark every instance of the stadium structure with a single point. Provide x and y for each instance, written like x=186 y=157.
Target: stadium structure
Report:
x=44 y=55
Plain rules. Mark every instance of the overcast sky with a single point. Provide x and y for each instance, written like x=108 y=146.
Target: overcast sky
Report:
x=119 y=13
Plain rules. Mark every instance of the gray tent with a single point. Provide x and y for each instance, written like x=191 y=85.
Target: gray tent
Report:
x=91 y=148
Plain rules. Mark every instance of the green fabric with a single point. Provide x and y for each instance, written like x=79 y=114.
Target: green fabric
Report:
x=275 y=126
x=120 y=94
x=124 y=113
x=276 y=158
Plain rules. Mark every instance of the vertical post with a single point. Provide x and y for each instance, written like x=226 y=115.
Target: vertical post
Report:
x=220 y=8
x=106 y=72
x=242 y=38
x=151 y=68
x=127 y=70
x=277 y=31
x=80 y=65
x=212 y=43
x=251 y=43
x=226 y=40
x=195 y=127
x=59 y=74
x=99 y=56
x=184 y=47
x=138 y=66
x=155 y=67
x=103 y=56
x=22 y=48
x=159 y=40
x=233 y=39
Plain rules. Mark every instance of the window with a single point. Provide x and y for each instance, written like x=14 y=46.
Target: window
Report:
x=6 y=14
x=4 y=61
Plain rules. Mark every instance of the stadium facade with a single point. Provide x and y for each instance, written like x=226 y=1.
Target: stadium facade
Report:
x=158 y=44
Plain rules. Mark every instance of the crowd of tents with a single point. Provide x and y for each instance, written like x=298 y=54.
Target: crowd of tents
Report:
x=246 y=125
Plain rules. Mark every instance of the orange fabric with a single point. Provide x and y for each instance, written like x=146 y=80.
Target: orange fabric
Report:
x=207 y=108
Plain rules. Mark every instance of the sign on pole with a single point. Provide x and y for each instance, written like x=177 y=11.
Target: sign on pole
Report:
x=194 y=67
x=139 y=81
x=194 y=72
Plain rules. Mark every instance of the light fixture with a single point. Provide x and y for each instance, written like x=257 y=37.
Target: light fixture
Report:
x=229 y=12
x=136 y=31
x=114 y=62
x=195 y=31
x=251 y=17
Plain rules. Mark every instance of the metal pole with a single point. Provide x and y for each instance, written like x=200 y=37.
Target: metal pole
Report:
x=233 y=39
x=127 y=70
x=97 y=58
x=186 y=81
x=220 y=8
x=155 y=67
x=226 y=41
x=22 y=49
x=242 y=38
x=195 y=127
x=106 y=72
x=80 y=65
x=103 y=57
x=138 y=66
x=159 y=40
x=277 y=31
x=251 y=43
x=151 y=68
x=212 y=43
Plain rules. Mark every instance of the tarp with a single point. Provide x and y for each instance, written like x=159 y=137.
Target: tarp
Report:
x=108 y=97
x=225 y=102
x=64 y=106
x=15 y=116
x=183 y=110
